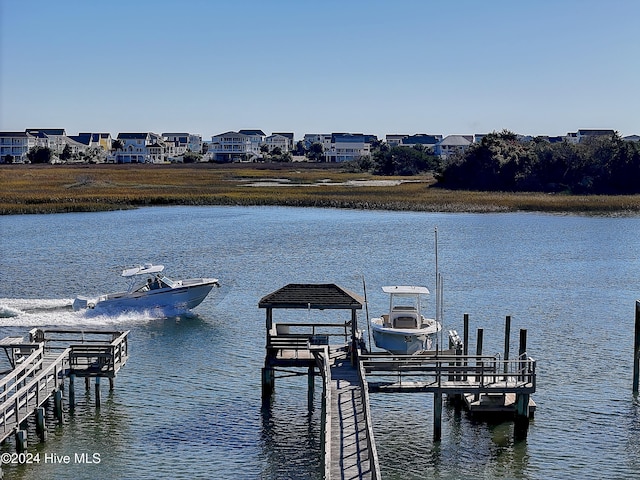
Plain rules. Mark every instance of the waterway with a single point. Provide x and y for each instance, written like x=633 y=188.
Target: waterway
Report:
x=187 y=404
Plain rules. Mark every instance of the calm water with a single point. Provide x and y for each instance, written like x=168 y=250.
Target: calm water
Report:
x=187 y=405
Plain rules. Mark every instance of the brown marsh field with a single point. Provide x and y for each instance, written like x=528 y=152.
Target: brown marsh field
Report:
x=86 y=188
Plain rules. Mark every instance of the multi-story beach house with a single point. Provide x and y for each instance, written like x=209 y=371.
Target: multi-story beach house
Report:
x=323 y=139
x=427 y=141
x=53 y=138
x=184 y=142
x=346 y=147
x=289 y=137
x=231 y=147
x=14 y=146
x=278 y=141
x=452 y=144
x=145 y=147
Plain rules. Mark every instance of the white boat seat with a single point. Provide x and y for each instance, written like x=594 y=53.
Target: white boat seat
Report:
x=405 y=321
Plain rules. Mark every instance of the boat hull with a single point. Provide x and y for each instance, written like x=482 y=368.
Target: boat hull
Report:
x=183 y=297
x=401 y=342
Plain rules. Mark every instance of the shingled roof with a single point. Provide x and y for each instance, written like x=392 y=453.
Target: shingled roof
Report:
x=317 y=296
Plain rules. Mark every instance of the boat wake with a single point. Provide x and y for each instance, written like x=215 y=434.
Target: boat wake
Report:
x=59 y=312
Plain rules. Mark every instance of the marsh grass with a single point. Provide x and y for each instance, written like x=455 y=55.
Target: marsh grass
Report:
x=82 y=188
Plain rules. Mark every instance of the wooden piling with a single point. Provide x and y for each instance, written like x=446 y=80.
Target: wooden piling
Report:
x=57 y=402
x=507 y=334
x=21 y=441
x=465 y=339
x=40 y=424
x=72 y=391
x=636 y=351
x=268 y=383
x=437 y=416
x=311 y=386
x=98 y=398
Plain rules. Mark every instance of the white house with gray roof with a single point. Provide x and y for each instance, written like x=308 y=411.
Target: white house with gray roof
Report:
x=452 y=144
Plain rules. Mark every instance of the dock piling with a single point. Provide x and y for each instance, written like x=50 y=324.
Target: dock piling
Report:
x=57 y=402
x=507 y=334
x=636 y=351
x=98 y=397
x=40 y=424
x=437 y=416
x=72 y=391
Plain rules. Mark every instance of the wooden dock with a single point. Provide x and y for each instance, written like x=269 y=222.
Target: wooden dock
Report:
x=483 y=383
x=39 y=366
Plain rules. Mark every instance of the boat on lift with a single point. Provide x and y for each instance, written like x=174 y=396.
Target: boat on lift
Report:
x=405 y=330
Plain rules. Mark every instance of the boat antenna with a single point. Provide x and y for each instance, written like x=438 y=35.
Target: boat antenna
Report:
x=366 y=310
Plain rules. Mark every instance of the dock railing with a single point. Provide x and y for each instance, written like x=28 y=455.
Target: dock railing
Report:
x=374 y=463
x=28 y=386
x=463 y=373
x=326 y=331
x=92 y=352
x=327 y=409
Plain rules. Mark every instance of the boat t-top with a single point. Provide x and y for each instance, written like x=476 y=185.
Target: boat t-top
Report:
x=150 y=288
x=404 y=330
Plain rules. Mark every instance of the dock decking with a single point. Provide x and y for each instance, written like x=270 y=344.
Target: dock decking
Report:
x=40 y=365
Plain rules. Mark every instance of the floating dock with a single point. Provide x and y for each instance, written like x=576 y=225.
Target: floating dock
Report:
x=484 y=384
x=40 y=365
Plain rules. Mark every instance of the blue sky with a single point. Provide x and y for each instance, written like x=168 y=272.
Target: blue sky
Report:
x=204 y=66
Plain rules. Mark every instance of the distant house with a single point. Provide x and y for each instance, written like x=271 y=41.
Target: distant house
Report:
x=53 y=138
x=323 y=139
x=231 y=147
x=289 y=137
x=427 y=141
x=144 y=147
x=393 y=140
x=256 y=139
x=346 y=147
x=183 y=142
x=452 y=144
x=14 y=146
x=278 y=141
x=632 y=138
x=91 y=140
x=583 y=134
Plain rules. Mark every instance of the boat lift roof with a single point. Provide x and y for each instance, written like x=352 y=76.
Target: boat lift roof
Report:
x=142 y=270
x=405 y=290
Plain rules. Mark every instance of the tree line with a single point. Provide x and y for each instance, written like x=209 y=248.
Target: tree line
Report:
x=503 y=162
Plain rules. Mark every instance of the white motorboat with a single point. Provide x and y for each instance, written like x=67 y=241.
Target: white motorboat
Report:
x=148 y=289
x=404 y=330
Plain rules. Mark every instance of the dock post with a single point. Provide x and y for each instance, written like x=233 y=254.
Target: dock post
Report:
x=40 y=424
x=72 y=391
x=507 y=334
x=521 y=424
x=87 y=384
x=112 y=384
x=479 y=353
x=636 y=351
x=98 y=399
x=310 y=391
x=522 y=350
x=268 y=383
x=57 y=404
x=465 y=340
x=437 y=416
x=21 y=440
